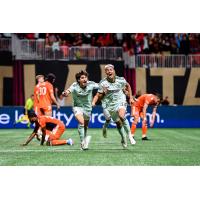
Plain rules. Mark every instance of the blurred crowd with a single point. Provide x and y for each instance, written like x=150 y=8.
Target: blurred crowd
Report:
x=133 y=43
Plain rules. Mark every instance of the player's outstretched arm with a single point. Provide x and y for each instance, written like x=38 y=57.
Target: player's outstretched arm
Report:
x=31 y=136
x=29 y=139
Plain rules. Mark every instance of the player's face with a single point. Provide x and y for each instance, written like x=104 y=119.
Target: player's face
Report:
x=83 y=80
x=41 y=80
x=110 y=73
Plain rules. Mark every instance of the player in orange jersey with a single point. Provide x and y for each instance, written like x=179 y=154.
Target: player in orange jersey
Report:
x=45 y=96
x=139 y=108
x=52 y=130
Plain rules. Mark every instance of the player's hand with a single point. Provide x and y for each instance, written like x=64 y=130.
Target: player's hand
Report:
x=131 y=101
x=64 y=93
x=58 y=107
x=93 y=104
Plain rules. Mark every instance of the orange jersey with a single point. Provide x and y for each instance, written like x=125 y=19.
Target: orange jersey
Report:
x=44 y=91
x=49 y=122
x=148 y=99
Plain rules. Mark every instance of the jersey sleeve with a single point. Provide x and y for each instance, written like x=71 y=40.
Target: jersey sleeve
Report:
x=71 y=88
x=100 y=88
x=95 y=85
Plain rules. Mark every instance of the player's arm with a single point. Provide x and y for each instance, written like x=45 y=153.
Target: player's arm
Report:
x=43 y=135
x=145 y=111
x=129 y=93
x=54 y=100
x=96 y=98
x=153 y=116
x=31 y=136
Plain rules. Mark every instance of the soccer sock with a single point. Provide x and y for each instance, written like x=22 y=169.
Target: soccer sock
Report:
x=85 y=132
x=126 y=126
x=81 y=132
x=133 y=128
x=121 y=132
x=144 y=130
x=58 y=142
x=106 y=124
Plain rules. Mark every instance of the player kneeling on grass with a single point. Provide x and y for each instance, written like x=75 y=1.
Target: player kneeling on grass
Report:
x=52 y=130
x=139 y=108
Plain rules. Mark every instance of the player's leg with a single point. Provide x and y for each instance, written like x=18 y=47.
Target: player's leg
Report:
x=78 y=113
x=107 y=122
x=135 y=114
x=87 y=138
x=56 y=134
x=120 y=128
x=122 y=112
x=144 y=127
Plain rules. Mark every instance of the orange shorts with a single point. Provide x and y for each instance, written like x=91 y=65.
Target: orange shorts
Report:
x=42 y=110
x=136 y=112
x=57 y=132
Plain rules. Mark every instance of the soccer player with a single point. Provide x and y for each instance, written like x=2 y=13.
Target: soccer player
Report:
x=52 y=130
x=44 y=94
x=81 y=92
x=27 y=109
x=111 y=90
x=139 y=108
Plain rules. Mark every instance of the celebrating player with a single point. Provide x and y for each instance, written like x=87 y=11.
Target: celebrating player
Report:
x=111 y=91
x=81 y=91
x=52 y=130
x=44 y=95
x=139 y=108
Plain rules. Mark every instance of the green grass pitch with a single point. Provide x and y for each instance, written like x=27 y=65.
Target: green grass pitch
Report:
x=167 y=147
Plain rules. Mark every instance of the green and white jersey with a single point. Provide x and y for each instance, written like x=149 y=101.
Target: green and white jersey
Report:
x=114 y=95
x=82 y=97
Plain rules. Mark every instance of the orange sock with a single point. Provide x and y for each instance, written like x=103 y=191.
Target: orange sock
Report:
x=133 y=127
x=58 y=142
x=144 y=130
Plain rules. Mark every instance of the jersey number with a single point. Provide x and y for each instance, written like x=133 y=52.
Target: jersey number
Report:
x=42 y=91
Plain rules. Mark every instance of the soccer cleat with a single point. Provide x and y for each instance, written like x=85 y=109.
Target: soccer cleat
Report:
x=82 y=145
x=70 y=142
x=131 y=139
x=104 y=132
x=145 y=138
x=124 y=142
x=87 y=141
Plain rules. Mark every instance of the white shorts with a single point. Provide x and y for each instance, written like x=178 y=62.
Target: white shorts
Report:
x=106 y=114
x=115 y=113
x=79 y=110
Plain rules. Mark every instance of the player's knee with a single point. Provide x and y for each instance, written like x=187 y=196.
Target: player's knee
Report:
x=119 y=124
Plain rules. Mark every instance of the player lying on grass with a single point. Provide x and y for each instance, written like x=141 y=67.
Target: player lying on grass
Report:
x=52 y=129
x=81 y=92
x=27 y=109
x=139 y=109
x=114 y=101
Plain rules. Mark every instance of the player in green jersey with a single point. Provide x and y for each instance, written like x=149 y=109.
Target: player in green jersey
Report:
x=81 y=92
x=111 y=90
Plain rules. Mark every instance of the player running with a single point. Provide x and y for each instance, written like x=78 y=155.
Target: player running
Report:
x=52 y=130
x=114 y=99
x=44 y=95
x=139 y=108
x=81 y=92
